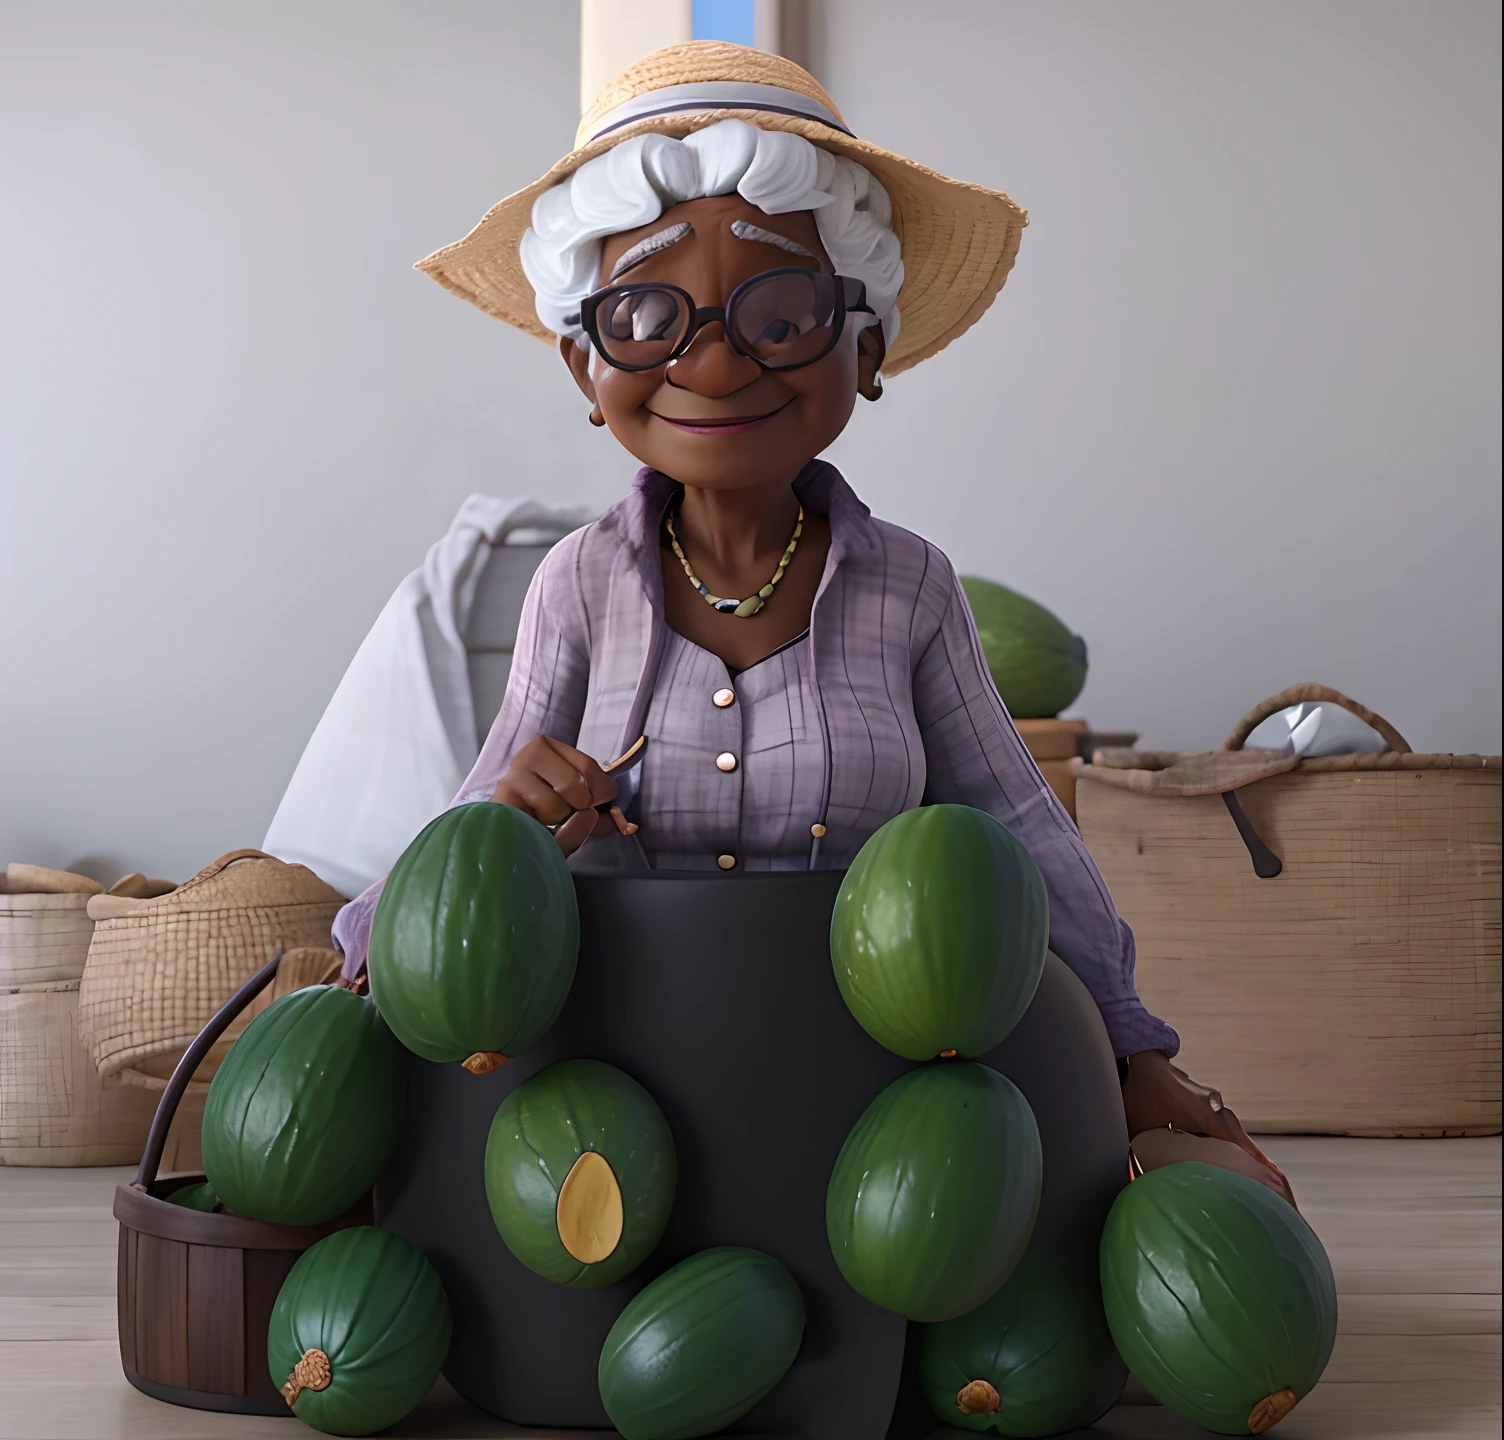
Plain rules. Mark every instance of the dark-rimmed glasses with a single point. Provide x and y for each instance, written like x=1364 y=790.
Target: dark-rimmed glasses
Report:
x=781 y=319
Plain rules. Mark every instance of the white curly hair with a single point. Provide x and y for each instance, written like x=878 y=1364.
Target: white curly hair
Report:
x=633 y=183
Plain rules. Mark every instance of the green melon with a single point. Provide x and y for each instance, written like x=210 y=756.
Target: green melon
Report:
x=1035 y=1359
x=934 y=1194
x=305 y=1110
x=940 y=932
x=1219 y=1296
x=374 y=1311
x=476 y=936
x=701 y=1345
x=576 y=1221
x=1038 y=666
x=195 y=1197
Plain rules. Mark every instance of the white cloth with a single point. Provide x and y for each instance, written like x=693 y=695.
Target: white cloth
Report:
x=398 y=738
x=1313 y=729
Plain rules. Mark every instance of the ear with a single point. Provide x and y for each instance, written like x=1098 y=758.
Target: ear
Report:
x=871 y=351
x=577 y=359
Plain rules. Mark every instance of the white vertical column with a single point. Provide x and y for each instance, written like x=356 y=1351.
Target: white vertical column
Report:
x=614 y=33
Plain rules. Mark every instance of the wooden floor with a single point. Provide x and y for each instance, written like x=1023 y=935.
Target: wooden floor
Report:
x=1413 y=1228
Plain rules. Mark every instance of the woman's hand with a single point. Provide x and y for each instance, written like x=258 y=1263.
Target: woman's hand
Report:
x=560 y=786
x=1157 y=1093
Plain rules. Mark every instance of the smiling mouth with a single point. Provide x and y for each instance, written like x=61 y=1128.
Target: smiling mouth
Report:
x=733 y=425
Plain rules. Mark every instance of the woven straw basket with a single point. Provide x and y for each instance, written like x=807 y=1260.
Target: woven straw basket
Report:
x=43 y=938
x=158 y=970
x=1326 y=939
x=55 y=1107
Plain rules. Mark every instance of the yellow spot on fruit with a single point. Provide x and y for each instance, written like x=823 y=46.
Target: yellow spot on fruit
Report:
x=589 y=1213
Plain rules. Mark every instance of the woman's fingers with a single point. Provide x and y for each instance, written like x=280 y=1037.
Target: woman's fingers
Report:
x=564 y=774
x=561 y=787
x=575 y=775
x=531 y=793
x=576 y=830
x=1224 y=1125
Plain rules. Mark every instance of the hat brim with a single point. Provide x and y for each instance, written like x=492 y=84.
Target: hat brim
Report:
x=958 y=241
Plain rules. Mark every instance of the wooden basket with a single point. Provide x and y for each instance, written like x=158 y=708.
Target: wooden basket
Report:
x=1054 y=744
x=195 y=1291
x=159 y=969
x=1327 y=940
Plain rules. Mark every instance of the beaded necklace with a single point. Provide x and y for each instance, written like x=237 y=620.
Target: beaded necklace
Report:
x=753 y=603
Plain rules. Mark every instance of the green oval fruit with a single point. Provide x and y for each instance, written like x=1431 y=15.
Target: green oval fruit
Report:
x=701 y=1345
x=576 y=1221
x=1038 y=666
x=934 y=1194
x=476 y=936
x=374 y=1309
x=305 y=1110
x=195 y=1197
x=1219 y=1296
x=1037 y=1351
x=940 y=933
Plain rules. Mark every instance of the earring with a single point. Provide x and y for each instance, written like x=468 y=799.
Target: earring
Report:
x=596 y=418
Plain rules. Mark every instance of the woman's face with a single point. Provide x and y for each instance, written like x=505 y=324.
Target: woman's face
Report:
x=713 y=418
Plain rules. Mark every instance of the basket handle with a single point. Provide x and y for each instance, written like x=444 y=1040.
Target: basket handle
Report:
x=1295 y=695
x=223 y=863
x=156 y=1140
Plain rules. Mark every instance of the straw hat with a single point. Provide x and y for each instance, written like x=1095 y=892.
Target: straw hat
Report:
x=958 y=241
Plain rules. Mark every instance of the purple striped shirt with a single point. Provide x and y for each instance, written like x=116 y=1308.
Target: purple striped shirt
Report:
x=885 y=705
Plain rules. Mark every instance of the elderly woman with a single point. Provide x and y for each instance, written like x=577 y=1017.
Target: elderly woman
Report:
x=726 y=269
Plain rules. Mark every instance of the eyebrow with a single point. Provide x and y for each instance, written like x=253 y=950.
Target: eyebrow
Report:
x=643 y=249
x=745 y=230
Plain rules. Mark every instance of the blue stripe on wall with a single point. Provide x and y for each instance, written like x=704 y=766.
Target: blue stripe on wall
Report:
x=723 y=20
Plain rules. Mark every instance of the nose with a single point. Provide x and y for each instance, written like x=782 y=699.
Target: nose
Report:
x=710 y=367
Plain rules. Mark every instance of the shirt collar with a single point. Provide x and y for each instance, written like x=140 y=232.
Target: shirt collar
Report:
x=819 y=486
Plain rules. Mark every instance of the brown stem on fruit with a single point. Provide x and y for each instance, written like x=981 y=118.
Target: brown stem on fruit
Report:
x=483 y=1062
x=1271 y=1410
x=978 y=1398
x=947 y=1054
x=312 y=1372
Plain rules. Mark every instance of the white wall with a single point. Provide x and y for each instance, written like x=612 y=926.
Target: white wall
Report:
x=1235 y=418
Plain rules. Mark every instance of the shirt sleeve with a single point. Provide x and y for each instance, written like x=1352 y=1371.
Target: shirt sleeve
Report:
x=975 y=757
x=545 y=696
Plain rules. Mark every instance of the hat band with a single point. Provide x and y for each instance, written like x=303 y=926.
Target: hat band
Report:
x=713 y=95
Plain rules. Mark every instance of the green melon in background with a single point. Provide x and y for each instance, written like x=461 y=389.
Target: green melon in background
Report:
x=1218 y=1294
x=580 y=1173
x=373 y=1312
x=700 y=1346
x=476 y=936
x=939 y=933
x=1030 y=1360
x=305 y=1110
x=933 y=1196
x=1038 y=666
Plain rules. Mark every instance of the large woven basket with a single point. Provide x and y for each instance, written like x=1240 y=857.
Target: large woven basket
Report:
x=43 y=938
x=158 y=970
x=1327 y=939
x=56 y=1108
